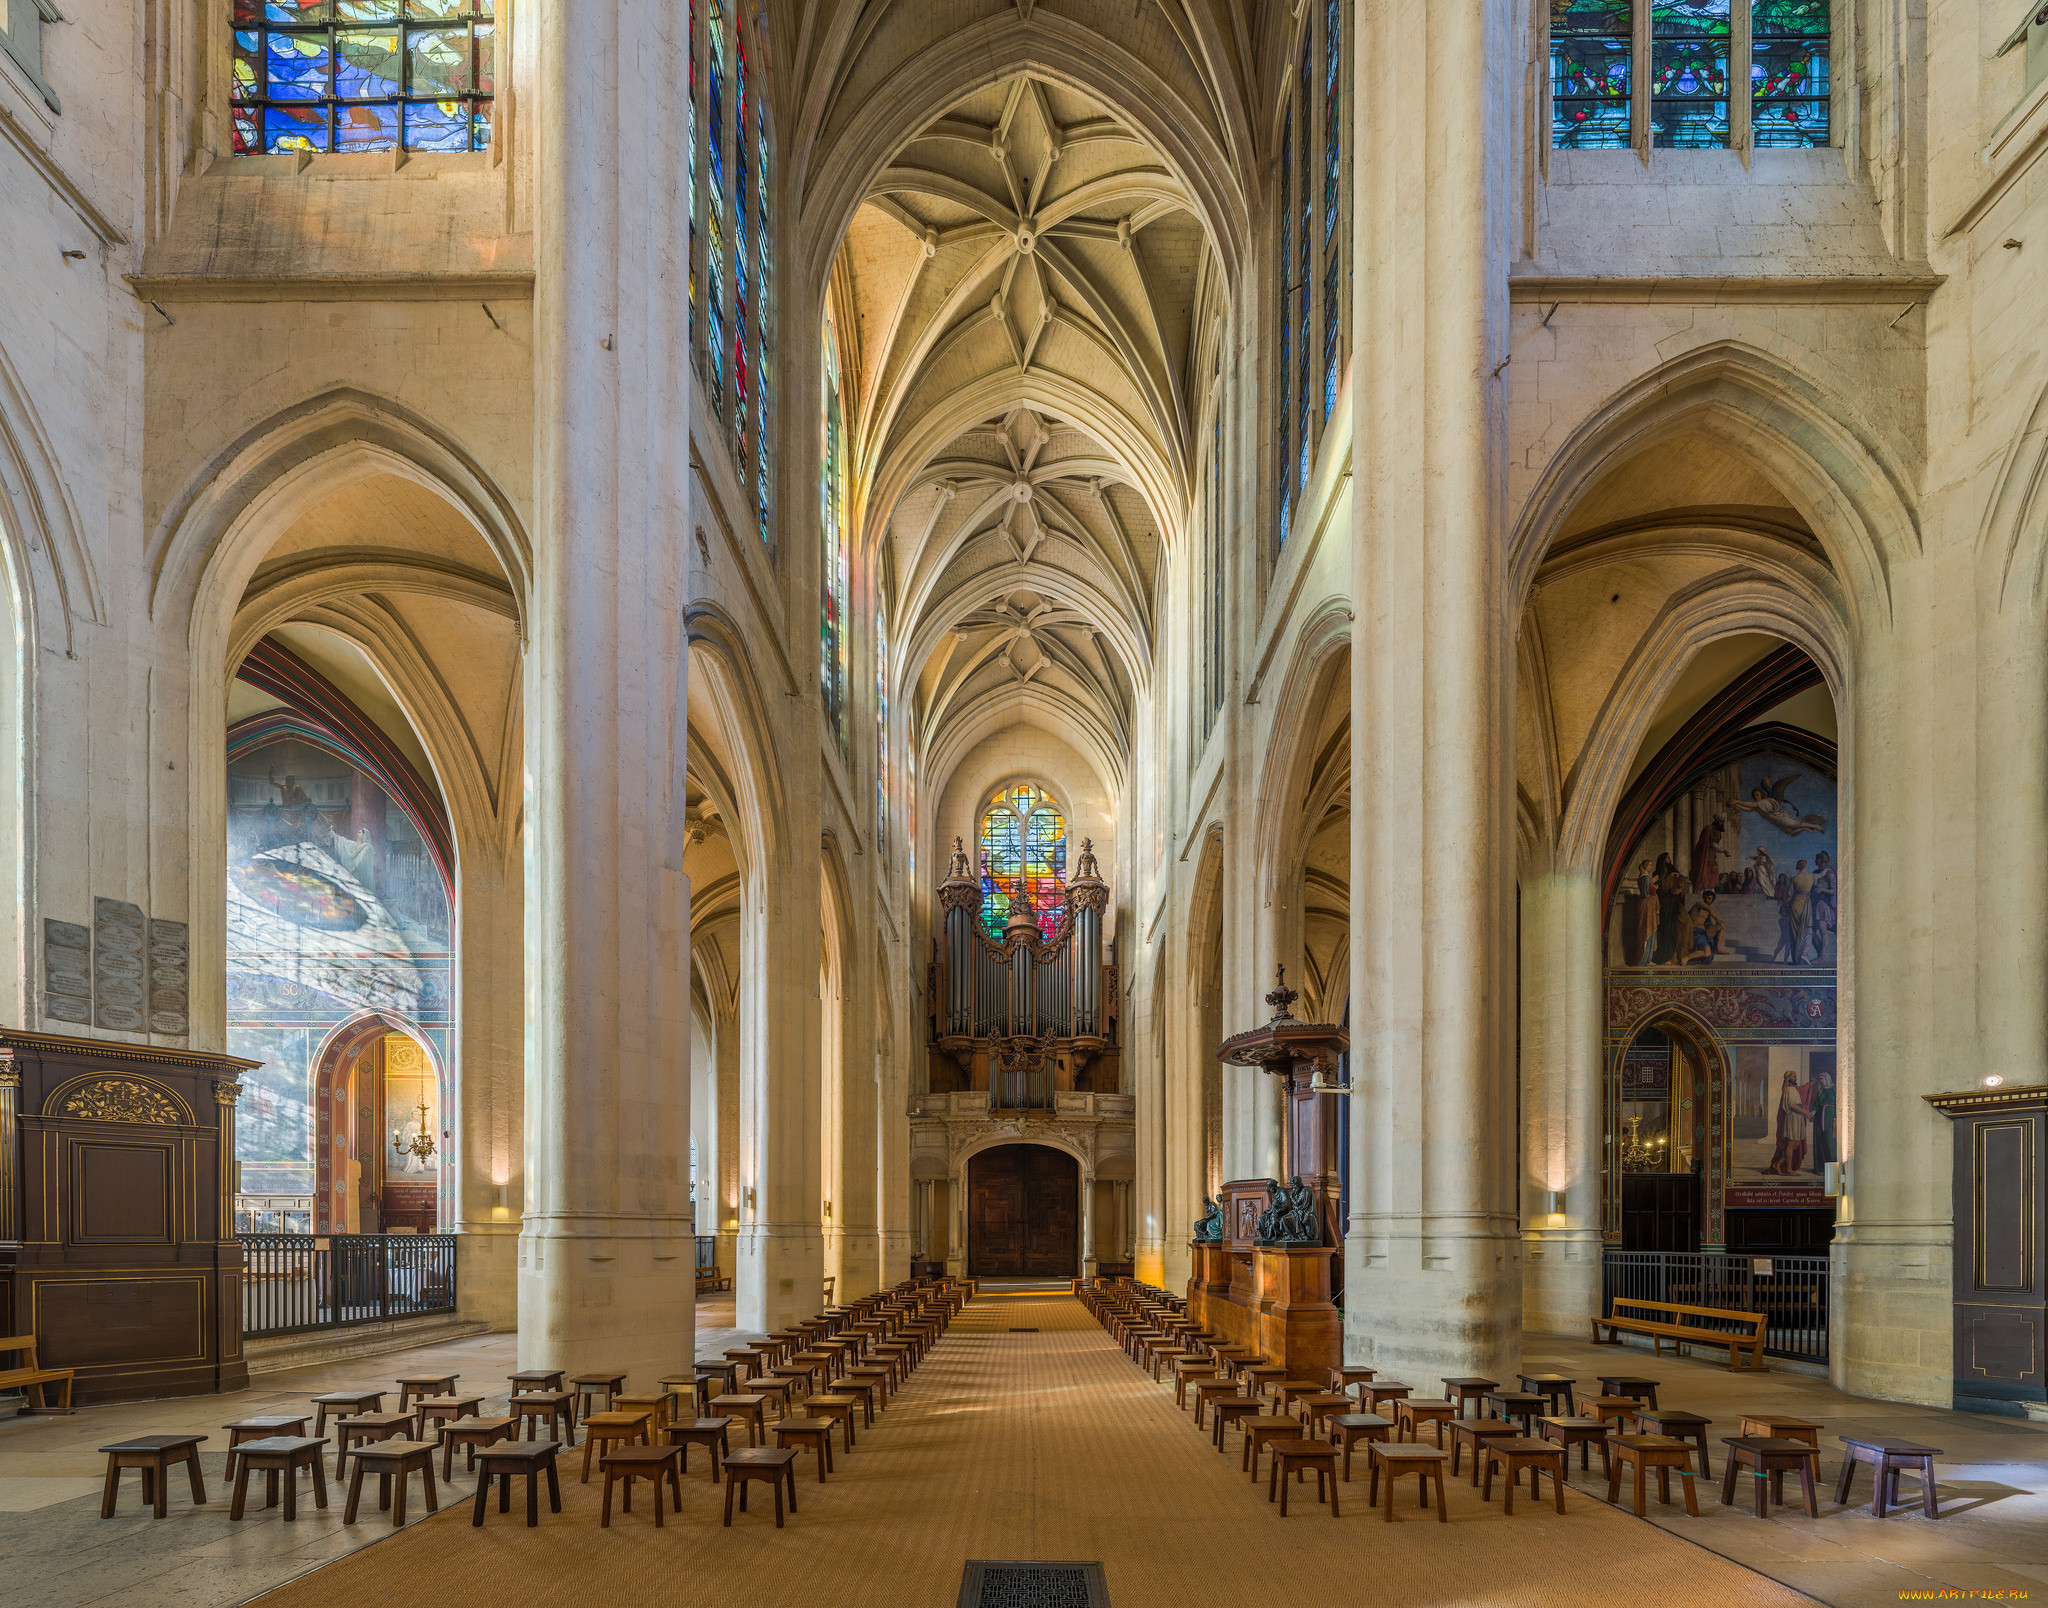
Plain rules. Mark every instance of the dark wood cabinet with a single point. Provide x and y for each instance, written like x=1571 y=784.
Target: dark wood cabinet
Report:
x=2000 y=1279
x=117 y=1247
x=1023 y=1213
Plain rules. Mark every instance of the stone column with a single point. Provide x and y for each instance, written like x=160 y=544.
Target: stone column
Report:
x=605 y=1254
x=1433 y=1279
x=725 y=1050
x=1563 y=1062
x=1089 y=1260
x=490 y=1086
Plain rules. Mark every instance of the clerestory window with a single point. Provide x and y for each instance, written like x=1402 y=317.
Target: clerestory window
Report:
x=1698 y=53
x=362 y=75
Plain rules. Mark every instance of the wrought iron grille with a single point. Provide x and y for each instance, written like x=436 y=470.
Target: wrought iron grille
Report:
x=294 y=1283
x=1790 y=1291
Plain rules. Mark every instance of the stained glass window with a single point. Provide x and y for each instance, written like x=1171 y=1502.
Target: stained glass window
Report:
x=1590 y=46
x=832 y=557
x=763 y=364
x=1333 y=199
x=1788 y=72
x=362 y=75
x=1212 y=625
x=882 y=732
x=1689 y=74
x=1024 y=849
x=1286 y=466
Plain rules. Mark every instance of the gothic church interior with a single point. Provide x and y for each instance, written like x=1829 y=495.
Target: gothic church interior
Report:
x=1124 y=735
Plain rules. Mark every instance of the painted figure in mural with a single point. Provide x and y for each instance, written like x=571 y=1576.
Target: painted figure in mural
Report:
x=1770 y=804
x=1790 y=1156
x=1670 y=908
x=290 y=795
x=1826 y=886
x=1707 y=855
x=1707 y=930
x=1646 y=916
x=1764 y=869
x=1782 y=892
x=1801 y=913
x=1821 y=1111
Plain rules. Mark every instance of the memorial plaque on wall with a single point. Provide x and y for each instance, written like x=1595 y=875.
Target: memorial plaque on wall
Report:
x=118 y=966
x=168 y=949
x=67 y=972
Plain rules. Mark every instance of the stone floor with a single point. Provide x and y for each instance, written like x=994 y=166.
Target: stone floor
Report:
x=1992 y=1537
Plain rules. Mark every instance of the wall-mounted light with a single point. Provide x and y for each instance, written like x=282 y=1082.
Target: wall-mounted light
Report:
x=1557 y=1198
x=1995 y=1081
x=1831 y=1179
x=747 y=1197
x=828 y=1211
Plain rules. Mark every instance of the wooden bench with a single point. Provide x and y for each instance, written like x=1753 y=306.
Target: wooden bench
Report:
x=27 y=1377
x=1668 y=1320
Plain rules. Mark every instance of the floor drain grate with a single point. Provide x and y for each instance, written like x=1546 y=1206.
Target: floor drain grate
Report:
x=1001 y=1584
x=1023 y=1331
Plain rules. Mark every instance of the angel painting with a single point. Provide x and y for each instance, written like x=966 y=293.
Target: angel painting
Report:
x=1769 y=803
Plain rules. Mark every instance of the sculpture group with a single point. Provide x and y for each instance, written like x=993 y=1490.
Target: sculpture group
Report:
x=1291 y=1218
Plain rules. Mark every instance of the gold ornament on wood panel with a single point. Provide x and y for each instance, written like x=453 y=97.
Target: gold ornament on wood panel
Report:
x=120 y=1100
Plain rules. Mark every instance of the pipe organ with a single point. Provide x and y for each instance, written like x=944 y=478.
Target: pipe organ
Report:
x=1033 y=1015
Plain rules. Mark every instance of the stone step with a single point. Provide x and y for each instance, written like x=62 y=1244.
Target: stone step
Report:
x=275 y=1355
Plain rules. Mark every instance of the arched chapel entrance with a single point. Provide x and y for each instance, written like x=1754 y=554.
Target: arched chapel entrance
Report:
x=1023 y=1213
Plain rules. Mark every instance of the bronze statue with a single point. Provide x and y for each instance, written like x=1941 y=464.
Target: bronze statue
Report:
x=1292 y=1218
x=1209 y=1227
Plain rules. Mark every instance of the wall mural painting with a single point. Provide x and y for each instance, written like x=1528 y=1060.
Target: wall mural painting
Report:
x=335 y=906
x=1727 y=910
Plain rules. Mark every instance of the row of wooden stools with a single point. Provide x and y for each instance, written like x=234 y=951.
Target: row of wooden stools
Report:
x=1308 y=1424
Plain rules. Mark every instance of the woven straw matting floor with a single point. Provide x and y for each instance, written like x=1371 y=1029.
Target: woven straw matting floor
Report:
x=1036 y=1446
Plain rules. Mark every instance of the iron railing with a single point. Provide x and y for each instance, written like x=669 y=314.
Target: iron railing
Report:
x=1790 y=1291
x=294 y=1283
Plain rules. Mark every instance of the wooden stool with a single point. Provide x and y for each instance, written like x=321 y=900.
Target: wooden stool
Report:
x=1410 y=1415
x=558 y=1407
x=720 y=1373
x=874 y=1374
x=535 y=1380
x=1767 y=1457
x=655 y=1407
x=776 y=1390
x=1552 y=1386
x=368 y=1429
x=419 y=1385
x=1227 y=1410
x=715 y=1433
x=469 y=1434
x=1584 y=1433
x=154 y=1455
x=1162 y=1355
x=433 y=1411
x=1517 y=1404
x=345 y=1402
x=1609 y=1408
x=604 y=1428
x=1187 y=1372
x=510 y=1458
x=1287 y=1391
x=676 y=1387
x=1261 y=1375
x=750 y=1407
x=1628 y=1385
x=1262 y=1432
x=775 y=1464
x=1676 y=1421
x=1468 y=1388
x=853 y=1385
x=1342 y=1379
x=816 y=1433
x=1347 y=1429
x=1664 y=1453
x=1375 y=1393
x=1425 y=1462
x=1295 y=1457
x=286 y=1455
x=834 y=1406
x=587 y=1385
x=1887 y=1456
x=248 y=1429
x=623 y=1465
x=819 y=1361
x=1779 y=1426
x=391 y=1460
x=1208 y=1390
x=1515 y=1453
x=1476 y=1433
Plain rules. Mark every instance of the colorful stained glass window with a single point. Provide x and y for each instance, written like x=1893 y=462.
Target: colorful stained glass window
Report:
x=362 y=75
x=1286 y=465
x=1689 y=74
x=1212 y=625
x=1591 y=42
x=882 y=731
x=1023 y=850
x=832 y=557
x=1333 y=201
x=763 y=365
x=1788 y=72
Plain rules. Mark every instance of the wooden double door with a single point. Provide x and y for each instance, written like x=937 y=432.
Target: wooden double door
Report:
x=1023 y=1213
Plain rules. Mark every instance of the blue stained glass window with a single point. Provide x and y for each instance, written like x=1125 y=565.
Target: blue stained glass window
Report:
x=1304 y=365
x=1023 y=850
x=1333 y=132
x=1591 y=42
x=1689 y=74
x=832 y=554
x=1286 y=465
x=362 y=75
x=1788 y=72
